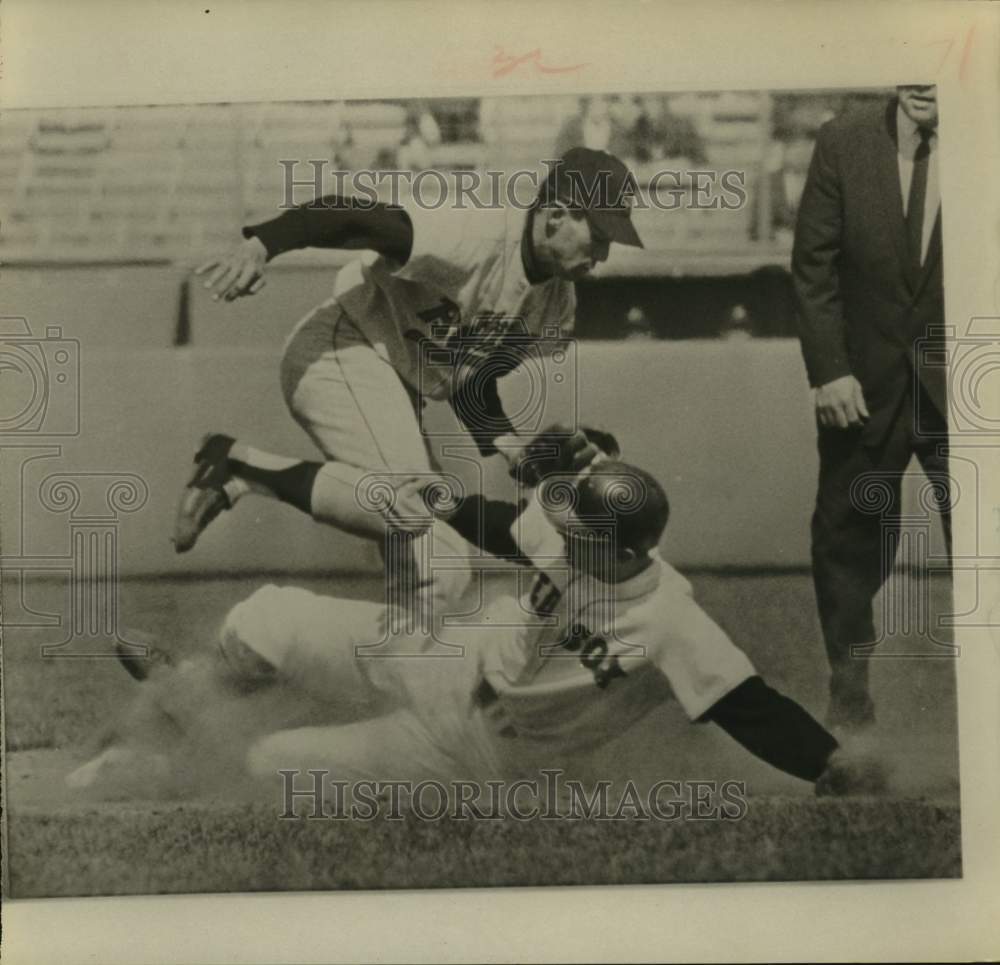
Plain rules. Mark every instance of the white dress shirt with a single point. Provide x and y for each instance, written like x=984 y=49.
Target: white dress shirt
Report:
x=908 y=140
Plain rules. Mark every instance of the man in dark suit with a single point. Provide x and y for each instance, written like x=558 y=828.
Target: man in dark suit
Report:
x=867 y=271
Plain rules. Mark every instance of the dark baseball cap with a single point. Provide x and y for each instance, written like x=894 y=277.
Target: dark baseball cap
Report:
x=599 y=184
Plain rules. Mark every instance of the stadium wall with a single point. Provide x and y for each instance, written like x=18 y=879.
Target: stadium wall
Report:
x=725 y=424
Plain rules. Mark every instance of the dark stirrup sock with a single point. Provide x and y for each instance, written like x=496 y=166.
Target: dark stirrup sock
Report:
x=293 y=485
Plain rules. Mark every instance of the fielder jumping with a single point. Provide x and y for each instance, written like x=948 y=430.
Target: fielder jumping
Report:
x=457 y=298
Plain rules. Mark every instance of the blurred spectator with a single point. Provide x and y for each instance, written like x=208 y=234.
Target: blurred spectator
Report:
x=422 y=133
x=786 y=177
x=386 y=159
x=634 y=135
x=674 y=137
x=795 y=166
x=637 y=128
x=593 y=127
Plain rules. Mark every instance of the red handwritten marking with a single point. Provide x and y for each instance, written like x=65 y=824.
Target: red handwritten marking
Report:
x=950 y=41
x=963 y=64
x=964 y=59
x=504 y=63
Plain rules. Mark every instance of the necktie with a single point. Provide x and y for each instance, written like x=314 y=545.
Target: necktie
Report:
x=918 y=195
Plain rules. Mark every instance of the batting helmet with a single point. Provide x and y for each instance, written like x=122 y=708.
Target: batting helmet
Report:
x=626 y=499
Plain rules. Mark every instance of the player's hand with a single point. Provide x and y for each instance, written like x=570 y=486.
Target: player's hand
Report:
x=405 y=509
x=418 y=500
x=556 y=450
x=840 y=404
x=236 y=274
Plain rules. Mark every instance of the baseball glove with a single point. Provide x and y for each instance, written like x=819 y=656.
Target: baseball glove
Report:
x=558 y=449
x=849 y=774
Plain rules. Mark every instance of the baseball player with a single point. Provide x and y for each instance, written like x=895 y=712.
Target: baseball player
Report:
x=605 y=631
x=287 y=656
x=456 y=298
x=627 y=634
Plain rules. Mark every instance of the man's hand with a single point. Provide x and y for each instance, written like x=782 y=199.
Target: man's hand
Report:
x=238 y=273
x=841 y=403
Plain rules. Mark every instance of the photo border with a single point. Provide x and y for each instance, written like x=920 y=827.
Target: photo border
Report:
x=89 y=53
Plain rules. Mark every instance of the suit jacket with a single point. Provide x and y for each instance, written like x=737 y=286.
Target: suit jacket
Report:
x=864 y=308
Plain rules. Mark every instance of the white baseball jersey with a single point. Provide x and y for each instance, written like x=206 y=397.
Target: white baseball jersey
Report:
x=590 y=658
x=464 y=279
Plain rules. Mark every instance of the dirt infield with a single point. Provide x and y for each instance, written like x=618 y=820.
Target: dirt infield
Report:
x=63 y=843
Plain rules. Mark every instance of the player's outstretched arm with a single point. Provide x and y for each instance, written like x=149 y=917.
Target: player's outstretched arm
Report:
x=330 y=222
x=779 y=731
x=774 y=728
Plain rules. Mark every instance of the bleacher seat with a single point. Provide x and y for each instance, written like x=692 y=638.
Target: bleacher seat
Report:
x=159 y=240
x=161 y=180
x=19 y=235
x=206 y=182
x=463 y=155
x=138 y=180
x=148 y=142
x=16 y=122
x=371 y=140
x=373 y=114
x=42 y=204
x=11 y=147
x=80 y=168
x=303 y=148
x=123 y=208
x=53 y=185
x=57 y=141
x=200 y=207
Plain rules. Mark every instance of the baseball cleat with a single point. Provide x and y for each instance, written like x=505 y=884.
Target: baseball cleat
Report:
x=204 y=496
x=86 y=774
x=119 y=764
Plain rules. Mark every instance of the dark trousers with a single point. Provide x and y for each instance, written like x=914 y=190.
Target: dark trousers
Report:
x=855 y=530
